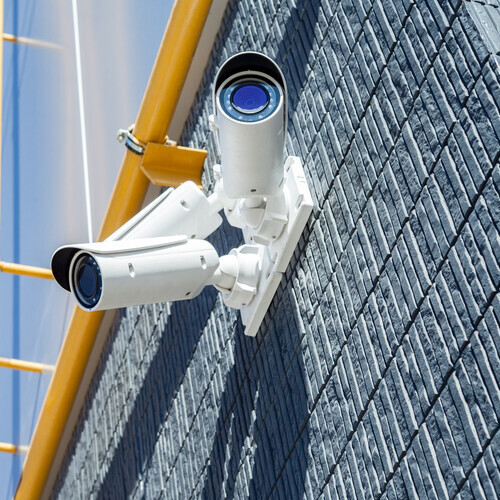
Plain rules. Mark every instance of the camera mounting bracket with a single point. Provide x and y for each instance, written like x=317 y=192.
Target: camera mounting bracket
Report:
x=166 y=164
x=287 y=215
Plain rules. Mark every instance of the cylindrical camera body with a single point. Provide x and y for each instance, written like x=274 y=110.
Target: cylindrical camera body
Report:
x=250 y=116
x=114 y=274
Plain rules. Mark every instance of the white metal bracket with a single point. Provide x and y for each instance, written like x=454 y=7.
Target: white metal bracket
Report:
x=275 y=257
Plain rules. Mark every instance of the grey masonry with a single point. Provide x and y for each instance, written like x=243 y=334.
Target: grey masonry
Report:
x=376 y=371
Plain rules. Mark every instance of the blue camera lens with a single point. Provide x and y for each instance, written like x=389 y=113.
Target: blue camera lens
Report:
x=87 y=282
x=250 y=98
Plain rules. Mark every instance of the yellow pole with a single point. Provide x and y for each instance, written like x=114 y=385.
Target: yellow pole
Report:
x=29 y=366
x=165 y=84
x=31 y=41
x=36 y=272
x=14 y=449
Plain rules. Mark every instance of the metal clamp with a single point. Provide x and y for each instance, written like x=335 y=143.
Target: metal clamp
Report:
x=131 y=142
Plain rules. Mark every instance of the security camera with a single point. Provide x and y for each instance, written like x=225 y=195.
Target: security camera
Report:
x=158 y=255
x=250 y=116
x=113 y=274
x=161 y=255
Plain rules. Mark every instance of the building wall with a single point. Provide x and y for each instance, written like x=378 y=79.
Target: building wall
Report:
x=376 y=370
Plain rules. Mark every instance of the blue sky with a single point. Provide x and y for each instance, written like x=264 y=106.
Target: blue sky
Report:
x=42 y=203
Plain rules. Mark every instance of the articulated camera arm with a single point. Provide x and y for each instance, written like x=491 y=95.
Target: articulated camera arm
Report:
x=147 y=261
x=249 y=276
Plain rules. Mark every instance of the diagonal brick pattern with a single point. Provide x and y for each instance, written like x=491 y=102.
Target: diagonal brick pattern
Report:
x=376 y=371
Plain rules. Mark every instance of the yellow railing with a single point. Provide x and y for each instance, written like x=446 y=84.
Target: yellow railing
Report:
x=27 y=366
x=30 y=41
x=15 y=449
x=36 y=272
x=167 y=79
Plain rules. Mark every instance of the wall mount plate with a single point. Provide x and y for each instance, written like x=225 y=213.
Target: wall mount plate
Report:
x=276 y=257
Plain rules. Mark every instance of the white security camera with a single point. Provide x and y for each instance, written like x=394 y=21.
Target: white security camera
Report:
x=122 y=273
x=250 y=113
x=145 y=260
x=160 y=254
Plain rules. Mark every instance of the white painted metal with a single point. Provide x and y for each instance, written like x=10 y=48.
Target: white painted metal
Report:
x=185 y=210
x=251 y=153
x=83 y=132
x=277 y=255
x=145 y=271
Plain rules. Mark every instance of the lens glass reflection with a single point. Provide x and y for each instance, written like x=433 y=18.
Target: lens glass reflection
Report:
x=87 y=280
x=250 y=98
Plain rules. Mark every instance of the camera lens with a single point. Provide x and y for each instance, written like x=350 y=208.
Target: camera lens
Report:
x=250 y=98
x=87 y=281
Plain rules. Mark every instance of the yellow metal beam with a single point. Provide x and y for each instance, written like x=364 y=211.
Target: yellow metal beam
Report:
x=31 y=41
x=29 y=366
x=14 y=449
x=171 y=165
x=35 y=272
x=167 y=79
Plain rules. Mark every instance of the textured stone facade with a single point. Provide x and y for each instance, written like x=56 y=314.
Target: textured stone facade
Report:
x=376 y=371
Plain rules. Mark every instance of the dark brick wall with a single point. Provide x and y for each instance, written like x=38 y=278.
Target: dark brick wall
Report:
x=375 y=373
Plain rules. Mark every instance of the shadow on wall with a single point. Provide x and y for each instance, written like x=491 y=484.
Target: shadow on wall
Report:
x=261 y=412
x=295 y=47
x=166 y=371
x=153 y=402
x=258 y=437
